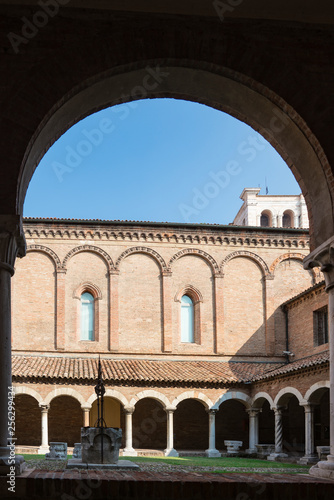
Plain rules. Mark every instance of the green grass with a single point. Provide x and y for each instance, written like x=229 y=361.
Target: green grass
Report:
x=214 y=464
x=217 y=462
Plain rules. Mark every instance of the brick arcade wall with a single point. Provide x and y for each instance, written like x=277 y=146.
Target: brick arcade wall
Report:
x=131 y=313
x=232 y=422
x=65 y=420
x=27 y=421
x=149 y=425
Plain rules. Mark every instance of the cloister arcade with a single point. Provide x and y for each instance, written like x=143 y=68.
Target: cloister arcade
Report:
x=190 y=423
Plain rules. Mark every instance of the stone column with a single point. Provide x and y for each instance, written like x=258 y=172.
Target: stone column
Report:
x=167 y=311
x=253 y=429
x=296 y=221
x=44 y=448
x=309 y=457
x=278 y=436
x=129 y=450
x=280 y=220
x=323 y=257
x=12 y=244
x=219 y=314
x=212 y=451
x=169 y=451
x=86 y=409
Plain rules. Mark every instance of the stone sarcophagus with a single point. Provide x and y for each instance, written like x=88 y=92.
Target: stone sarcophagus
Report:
x=100 y=445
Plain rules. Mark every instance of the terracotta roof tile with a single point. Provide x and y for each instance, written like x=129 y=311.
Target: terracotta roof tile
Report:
x=144 y=370
x=137 y=370
x=315 y=359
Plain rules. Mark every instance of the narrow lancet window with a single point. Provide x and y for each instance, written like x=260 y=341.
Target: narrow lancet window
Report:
x=187 y=319
x=87 y=316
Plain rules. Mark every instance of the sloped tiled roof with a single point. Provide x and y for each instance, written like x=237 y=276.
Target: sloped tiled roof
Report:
x=137 y=370
x=299 y=364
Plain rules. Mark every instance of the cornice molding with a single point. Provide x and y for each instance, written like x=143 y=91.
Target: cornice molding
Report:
x=191 y=237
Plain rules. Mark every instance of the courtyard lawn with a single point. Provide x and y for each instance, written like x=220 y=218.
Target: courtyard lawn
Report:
x=223 y=462
x=187 y=464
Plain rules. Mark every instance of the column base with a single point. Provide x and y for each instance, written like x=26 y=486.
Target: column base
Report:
x=276 y=456
x=324 y=469
x=309 y=459
x=43 y=449
x=10 y=469
x=170 y=452
x=129 y=452
x=212 y=453
x=251 y=451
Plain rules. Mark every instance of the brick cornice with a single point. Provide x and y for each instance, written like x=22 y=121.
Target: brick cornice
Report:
x=234 y=236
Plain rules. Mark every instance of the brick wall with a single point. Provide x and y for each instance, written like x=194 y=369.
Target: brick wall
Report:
x=27 y=421
x=65 y=420
x=135 y=312
x=300 y=314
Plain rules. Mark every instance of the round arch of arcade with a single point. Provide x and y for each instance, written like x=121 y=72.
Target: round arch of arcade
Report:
x=262 y=396
x=144 y=250
x=287 y=256
x=93 y=249
x=150 y=393
x=50 y=253
x=199 y=396
x=233 y=395
x=110 y=393
x=200 y=253
x=249 y=255
x=285 y=393
x=324 y=384
x=28 y=391
x=221 y=88
x=64 y=391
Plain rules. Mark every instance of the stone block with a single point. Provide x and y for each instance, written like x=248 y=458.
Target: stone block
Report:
x=58 y=451
x=95 y=439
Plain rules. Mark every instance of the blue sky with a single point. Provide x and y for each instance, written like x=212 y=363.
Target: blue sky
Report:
x=155 y=160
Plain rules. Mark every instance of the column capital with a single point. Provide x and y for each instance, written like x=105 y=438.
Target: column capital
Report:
x=86 y=407
x=12 y=241
x=212 y=411
x=44 y=407
x=167 y=274
x=253 y=412
x=170 y=409
x=129 y=410
x=323 y=257
x=308 y=407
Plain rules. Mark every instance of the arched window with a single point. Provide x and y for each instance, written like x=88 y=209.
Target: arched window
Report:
x=264 y=220
x=187 y=319
x=287 y=220
x=87 y=317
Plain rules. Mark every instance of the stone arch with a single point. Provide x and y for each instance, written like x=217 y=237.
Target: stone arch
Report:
x=64 y=391
x=199 y=396
x=324 y=384
x=21 y=389
x=89 y=248
x=269 y=214
x=194 y=251
x=190 y=290
x=235 y=395
x=149 y=251
x=249 y=255
x=110 y=393
x=283 y=394
x=262 y=395
x=225 y=89
x=41 y=248
x=285 y=256
x=150 y=393
x=87 y=287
